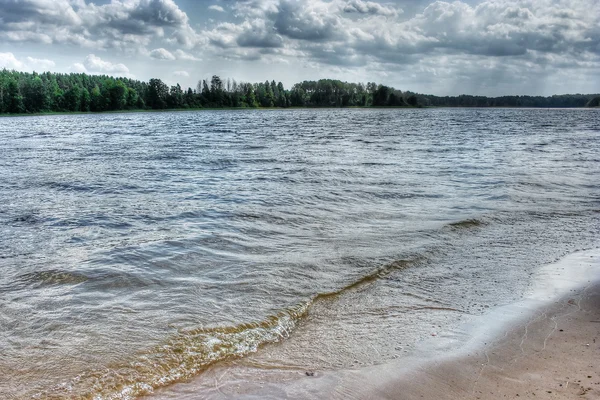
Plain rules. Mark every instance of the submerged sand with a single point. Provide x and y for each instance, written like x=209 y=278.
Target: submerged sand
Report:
x=546 y=346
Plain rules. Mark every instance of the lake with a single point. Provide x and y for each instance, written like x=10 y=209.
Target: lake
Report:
x=138 y=249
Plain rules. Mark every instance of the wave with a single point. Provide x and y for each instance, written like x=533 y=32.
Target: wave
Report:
x=189 y=352
x=465 y=224
x=377 y=274
x=52 y=278
x=182 y=356
x=26 y=219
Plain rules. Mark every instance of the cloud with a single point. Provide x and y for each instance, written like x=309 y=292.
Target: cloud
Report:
x=431 y=38
x=311 y=21
x=162 y=54
x=369 y=7
x=183 y=74
x=353 y=32
x=182 y=55
x=120 y=24
x=217 y=8
x=40 y=63
x=79 y=68
x=51 y=12
x=95 y=64
x=135 y=17
x=10 y=61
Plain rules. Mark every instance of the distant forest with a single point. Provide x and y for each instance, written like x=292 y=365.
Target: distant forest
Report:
x=22 y=92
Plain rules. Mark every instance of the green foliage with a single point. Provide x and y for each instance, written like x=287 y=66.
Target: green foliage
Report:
x=13 y=99
x=72 y=99
x=331 y=93
x=412 y=100
x=86 y=100
x=556 y=101
x=595 y=102
x=22 y=92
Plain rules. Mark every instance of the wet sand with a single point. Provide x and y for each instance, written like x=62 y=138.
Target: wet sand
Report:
x=546 y=346
x=553 y=354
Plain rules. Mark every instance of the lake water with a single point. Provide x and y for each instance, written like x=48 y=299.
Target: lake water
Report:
x=138 y=249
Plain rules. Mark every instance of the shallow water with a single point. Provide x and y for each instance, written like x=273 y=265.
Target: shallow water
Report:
x=137 y=249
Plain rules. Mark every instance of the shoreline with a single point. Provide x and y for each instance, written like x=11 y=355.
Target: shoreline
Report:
x=163 y=110
x=543 y=346
x=141 y=111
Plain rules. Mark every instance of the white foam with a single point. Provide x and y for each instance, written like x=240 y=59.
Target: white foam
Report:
x=548 y=284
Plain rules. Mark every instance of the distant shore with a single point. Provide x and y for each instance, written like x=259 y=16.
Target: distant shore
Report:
x=274 y=109
x=197 y=109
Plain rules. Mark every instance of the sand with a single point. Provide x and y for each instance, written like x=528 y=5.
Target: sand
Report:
x=546 y=346
x=553 y=354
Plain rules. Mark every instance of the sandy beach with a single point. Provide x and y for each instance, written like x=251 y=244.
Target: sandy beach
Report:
x=546 y=346
x=553 y=354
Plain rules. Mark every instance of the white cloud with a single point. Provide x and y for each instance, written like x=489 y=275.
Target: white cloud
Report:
x=356 y=32
x=370 y=7
x=79 y=68
x=9 y=61
x=217 y=8
x=120 y=24
x=184 y=74
x=40 y=63
x=182 y=55
x=162 y=54
x=546 y=36
x=95 y=64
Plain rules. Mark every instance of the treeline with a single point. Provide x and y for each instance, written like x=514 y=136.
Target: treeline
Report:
x=556 y=101
x=595 y=102
x=22 y=92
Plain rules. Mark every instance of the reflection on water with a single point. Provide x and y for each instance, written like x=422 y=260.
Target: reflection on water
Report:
x=136 y=249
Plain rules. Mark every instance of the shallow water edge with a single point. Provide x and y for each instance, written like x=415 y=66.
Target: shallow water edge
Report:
x=570 y=276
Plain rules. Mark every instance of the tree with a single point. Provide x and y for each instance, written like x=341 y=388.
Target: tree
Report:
x=23 y=92
x=72 y=99
x=35 y=97
x=216 y=92
x=595 y=102
x=396 y=99
x=381 y=95
x=266 y=95
x=175 y=99
x=115 y=94
x=132 y=98
x=96 y=101
x=86 y=100
x=157 y=94
x=412 y=100
x=14 y=100
x=205 y=93
x=250 y=96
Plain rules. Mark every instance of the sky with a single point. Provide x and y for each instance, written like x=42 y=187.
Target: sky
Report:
x=482 y=47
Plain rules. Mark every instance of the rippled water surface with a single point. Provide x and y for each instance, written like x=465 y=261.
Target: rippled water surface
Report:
x=137 y=249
